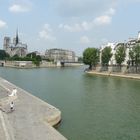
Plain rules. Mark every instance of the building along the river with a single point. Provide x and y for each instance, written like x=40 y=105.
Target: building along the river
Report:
x=114 y=46
x=56 y=55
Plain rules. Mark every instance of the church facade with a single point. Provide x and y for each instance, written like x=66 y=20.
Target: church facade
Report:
x=15 y=47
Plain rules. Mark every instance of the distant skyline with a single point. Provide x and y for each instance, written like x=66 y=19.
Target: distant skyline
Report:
x=73 y=25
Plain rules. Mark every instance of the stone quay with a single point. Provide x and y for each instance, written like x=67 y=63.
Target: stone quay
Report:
x=32 y=119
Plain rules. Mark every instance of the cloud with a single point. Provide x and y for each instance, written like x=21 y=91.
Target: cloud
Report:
x=102 y=20
x=46 y=33
x=129 y=1
x=106 y=18
x=77 y=8
x=110 y=11
x=2 y=24
x=77 y=27
x=20 y=6
x=71 y=28
x=84 y=40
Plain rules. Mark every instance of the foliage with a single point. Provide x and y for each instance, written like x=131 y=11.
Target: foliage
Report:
x=80 y=59
x=120 y=54
x=48 y=59
x=31 y=55
x=106 y=55
x=16 y=57
x=36 y=59
x=3 y=55
x=91 y=57
x=137 y=54
x=134 y=55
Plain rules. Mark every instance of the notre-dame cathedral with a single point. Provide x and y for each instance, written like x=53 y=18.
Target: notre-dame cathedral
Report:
x=15 y=47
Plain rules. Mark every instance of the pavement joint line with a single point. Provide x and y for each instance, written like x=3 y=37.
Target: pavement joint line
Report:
x=4 y=126
x=5 y=87
x=9 y=127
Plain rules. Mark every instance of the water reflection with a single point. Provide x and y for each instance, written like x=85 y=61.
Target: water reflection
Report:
x=93 y=107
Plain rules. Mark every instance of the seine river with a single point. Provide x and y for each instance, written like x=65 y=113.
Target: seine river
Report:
x=93 y=107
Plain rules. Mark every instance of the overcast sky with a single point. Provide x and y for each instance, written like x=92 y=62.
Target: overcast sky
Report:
x=69 y=24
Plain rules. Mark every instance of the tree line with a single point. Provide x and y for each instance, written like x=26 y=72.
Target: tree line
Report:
x=91 y=56
x=36 y=59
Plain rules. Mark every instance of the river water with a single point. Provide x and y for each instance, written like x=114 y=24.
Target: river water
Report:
x=93 y=107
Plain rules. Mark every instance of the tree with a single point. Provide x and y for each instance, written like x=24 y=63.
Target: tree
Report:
x=16 y=57
x=91 y=57
x=80 y=59
x=120 y=54
x=31 y=55
x=106 y=55
x=36 y=59
x=134 y=55
x=137 y=54
x=3 y=55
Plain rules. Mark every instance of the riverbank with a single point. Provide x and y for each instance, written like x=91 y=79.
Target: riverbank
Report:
x=130 y=76
x=32 y=119
x=30 y=65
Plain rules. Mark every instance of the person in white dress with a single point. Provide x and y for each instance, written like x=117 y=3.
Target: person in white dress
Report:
x=14 y=92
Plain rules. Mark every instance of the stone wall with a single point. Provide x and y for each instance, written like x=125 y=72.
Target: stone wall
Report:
x=110 y=69
x=132 y=69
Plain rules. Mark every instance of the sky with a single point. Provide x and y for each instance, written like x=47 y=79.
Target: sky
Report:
x=69 y=24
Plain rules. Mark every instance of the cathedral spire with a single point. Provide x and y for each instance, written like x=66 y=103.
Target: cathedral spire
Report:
x=17 y=39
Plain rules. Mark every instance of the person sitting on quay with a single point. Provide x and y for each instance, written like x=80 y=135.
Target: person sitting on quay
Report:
x=14 y=92
x=10 y=100
x=12 y=106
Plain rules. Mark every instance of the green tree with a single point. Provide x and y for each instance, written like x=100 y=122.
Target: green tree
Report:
x=36 y=59
x=120 y=54
x=80 y=59
x=31 y=55
x=16 y=57
x=137 y=54
x=134 y=55
x=91 y=57
x=106 y=55
x=3 y=55
x=131 y=56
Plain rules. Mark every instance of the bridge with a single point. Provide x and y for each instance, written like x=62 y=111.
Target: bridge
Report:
x=63 y=63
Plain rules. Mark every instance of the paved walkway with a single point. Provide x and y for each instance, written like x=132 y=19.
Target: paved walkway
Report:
x=31 y=120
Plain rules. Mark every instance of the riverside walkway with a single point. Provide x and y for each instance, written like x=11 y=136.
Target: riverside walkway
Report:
x=32 y=118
